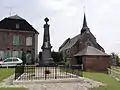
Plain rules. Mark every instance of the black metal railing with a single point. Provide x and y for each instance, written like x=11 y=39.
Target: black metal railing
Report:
x=19 y=70
x=32 y=72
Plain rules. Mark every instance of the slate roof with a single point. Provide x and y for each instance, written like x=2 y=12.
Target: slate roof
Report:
x=10 y=24
x=69 y=43
x=16 y=17
x=89 y=50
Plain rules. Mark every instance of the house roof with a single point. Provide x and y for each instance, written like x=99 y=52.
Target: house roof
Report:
x=16 y=17
x=10 y=23
x=89 y=50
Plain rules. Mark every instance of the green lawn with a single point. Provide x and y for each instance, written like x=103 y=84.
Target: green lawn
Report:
x=13 y=89
x=4 y=73
x=112 y=84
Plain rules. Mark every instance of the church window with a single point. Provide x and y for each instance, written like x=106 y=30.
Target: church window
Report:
x=88 y=44
x=87 y=32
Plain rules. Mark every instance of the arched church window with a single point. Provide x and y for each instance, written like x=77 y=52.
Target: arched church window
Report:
x=89 y=44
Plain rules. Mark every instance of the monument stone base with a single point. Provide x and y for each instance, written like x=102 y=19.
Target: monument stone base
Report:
x=48 y=61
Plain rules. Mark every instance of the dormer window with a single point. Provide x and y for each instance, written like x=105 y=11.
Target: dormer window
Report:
x=17 y=26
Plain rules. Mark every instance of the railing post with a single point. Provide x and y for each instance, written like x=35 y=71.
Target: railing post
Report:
x=15 y=72
x=45 y=73
x=55 y=71
x=81 y=70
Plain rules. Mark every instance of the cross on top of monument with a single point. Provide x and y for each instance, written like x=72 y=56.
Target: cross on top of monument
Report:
x=46 y=19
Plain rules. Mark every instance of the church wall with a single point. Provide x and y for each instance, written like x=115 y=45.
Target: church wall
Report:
x=96 y=63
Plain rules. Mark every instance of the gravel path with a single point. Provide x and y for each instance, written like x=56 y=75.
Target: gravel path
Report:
x=77 y=83
x=83 y=84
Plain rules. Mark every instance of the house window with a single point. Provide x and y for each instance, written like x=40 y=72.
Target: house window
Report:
x=20 y=54
x=15 y=54
x=16 y=40
x=7 y=54
x=17 y=26
x=28 y=41
x=1 y=54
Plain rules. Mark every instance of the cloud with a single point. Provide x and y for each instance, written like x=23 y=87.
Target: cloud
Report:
x=66 y=18
x=63 y=7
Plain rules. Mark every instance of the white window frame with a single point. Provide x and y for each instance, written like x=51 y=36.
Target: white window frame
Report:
x=29 y=41
x=2 y=54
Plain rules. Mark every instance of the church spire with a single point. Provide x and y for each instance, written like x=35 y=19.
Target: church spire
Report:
x=85 y=27
x=84 y=21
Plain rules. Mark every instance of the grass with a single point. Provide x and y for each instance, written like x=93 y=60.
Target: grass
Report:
x=111 y=83
x=116 y=68
x=13 y=89
x=4 y=73
x=116 y=73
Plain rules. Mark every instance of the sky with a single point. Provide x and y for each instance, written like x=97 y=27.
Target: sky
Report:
x=66 y=19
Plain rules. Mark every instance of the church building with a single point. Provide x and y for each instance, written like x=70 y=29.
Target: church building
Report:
x=83 y=49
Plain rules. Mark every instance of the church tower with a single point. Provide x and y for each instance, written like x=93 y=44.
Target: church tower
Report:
x=46 y=47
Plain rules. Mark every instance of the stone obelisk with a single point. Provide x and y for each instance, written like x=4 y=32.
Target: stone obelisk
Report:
x=46 y=47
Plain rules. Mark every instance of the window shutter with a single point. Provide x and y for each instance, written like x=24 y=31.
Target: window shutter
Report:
x=16 y=40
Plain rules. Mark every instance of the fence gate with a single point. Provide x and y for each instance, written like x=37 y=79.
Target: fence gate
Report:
x=32 y=72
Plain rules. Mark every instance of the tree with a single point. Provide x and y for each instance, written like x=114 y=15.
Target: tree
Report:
x=115 y=59
x=24 y=57
x=57 y=57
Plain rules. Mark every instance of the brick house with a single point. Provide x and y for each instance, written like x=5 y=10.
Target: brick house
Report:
x=18 y=36
x=84 y=49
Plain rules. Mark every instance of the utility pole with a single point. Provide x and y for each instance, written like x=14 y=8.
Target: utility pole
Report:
x=10 y=11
